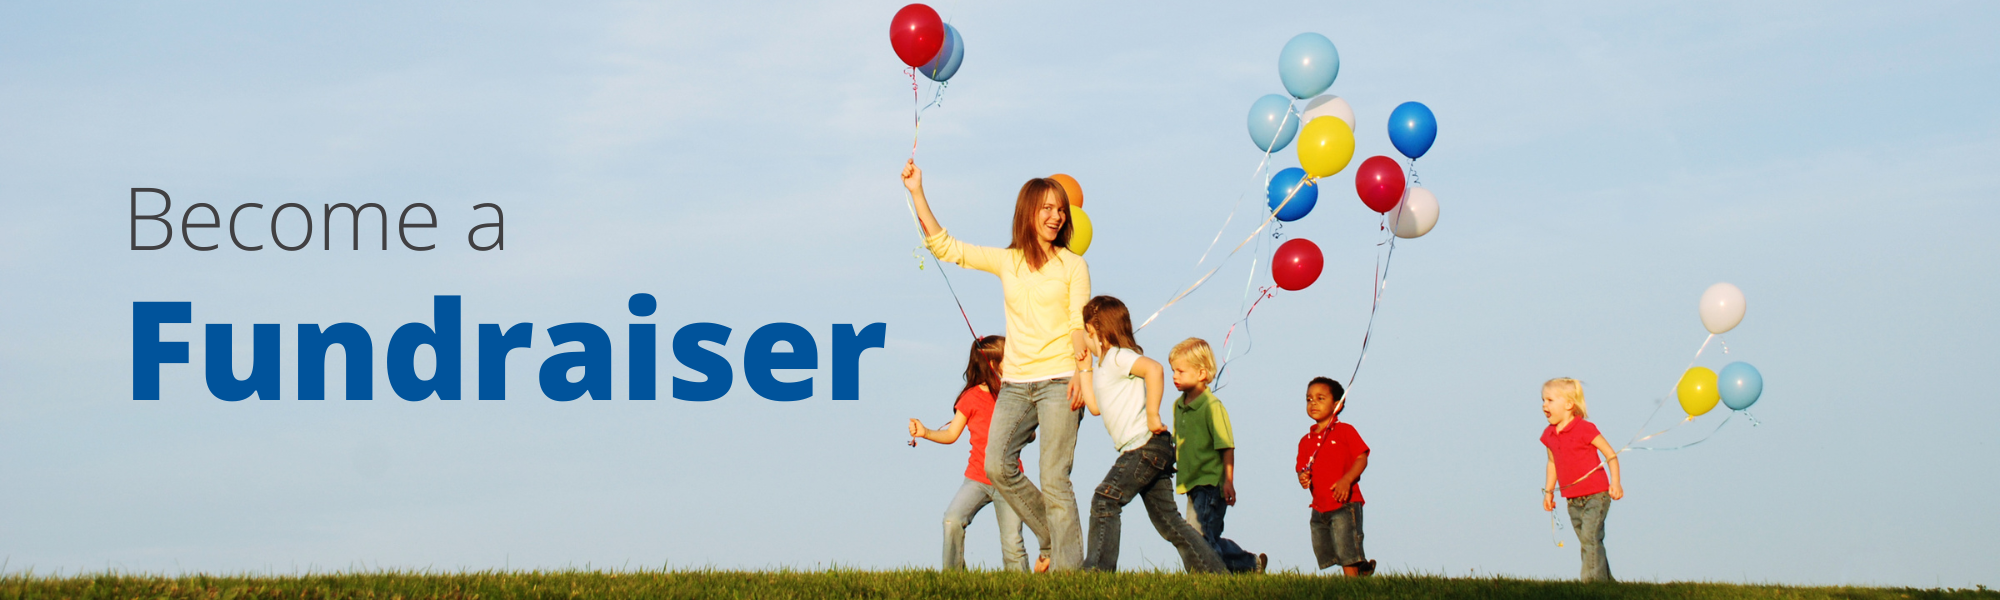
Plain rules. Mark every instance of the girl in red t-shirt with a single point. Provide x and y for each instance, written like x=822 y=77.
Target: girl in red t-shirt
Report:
x=1573 y=448
x=973 y=411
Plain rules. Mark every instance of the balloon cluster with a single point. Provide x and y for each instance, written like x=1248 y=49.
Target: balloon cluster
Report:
x=1079 y=221
x=925 y=42
x=1308 y=66
x=1739 y=384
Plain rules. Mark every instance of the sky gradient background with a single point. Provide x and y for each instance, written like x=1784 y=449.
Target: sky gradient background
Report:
x=1597 y=167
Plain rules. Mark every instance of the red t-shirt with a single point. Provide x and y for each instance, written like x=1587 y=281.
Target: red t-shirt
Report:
x=977 y=404
x=1574 y=456
x=1329 y=454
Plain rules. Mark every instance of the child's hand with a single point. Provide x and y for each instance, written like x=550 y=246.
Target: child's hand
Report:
x=1341 y=489
x=1154 y=425
x=1617 y=492
x=1305 y=480
x=1229 y=493
x=1548 y=501
x=917 y=429
x=913 y=177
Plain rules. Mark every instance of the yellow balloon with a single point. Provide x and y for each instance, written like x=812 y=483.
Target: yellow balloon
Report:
x=1325 y=146
x=1079 y=234
x=1698 y=391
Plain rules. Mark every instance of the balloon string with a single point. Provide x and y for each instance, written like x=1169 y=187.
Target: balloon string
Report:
x=1413 y=173
x=1245 y=322
x=1381 y=285
x=1552 y=519
x=1232 y=252
x=1632 y=444
x=917 y=130
x=954 y=299
x=909 y=203
x=916 y=113
x=1711 y=433
x=1228 y=353
x=1255 y=175
x=1662 y=402
x=1698 y=351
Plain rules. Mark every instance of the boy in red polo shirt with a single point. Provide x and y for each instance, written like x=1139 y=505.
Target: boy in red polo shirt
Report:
x=1331 y=459
x=1574 y=446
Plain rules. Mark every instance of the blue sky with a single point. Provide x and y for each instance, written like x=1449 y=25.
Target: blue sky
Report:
x=1597 y=167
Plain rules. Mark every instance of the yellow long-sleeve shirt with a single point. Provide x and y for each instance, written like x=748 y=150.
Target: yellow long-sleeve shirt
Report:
x=1043 y=306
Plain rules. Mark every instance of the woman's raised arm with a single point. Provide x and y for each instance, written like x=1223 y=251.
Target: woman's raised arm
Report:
x=913 y=179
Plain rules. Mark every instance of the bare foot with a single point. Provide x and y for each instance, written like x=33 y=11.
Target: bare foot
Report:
x=1041 y=564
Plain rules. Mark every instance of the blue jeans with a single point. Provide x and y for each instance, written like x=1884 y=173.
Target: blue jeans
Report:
x=971 y=497
x=1205 y=501
x=1336 y=536
x=1146 y=472
x=1586 y=515
x=1019 y=411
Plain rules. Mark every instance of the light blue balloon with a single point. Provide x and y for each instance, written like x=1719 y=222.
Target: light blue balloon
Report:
x=945 y=64
x=1412 y=128
x=1282 y=185
x=1308 y=65
x=1740 y=385
x=1272 y=123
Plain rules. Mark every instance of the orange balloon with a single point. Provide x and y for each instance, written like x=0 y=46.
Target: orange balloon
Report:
x=1070 y=187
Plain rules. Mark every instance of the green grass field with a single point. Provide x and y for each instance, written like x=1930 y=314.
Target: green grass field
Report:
x=886 y=584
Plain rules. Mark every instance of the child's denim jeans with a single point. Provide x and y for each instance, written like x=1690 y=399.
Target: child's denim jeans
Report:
x=1586 y=514
x=1336 y=537
x=971 y=497
x=1146 y=473
x=1207 y=508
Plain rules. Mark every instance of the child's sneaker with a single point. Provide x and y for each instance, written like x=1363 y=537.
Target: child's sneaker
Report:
x=1368 y=568
x=1262 y=562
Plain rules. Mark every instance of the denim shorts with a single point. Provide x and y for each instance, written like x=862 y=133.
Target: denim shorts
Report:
x=1336 y=536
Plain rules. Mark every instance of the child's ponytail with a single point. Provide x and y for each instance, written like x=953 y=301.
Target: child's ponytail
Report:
x=983 y=366
x=1112 y=321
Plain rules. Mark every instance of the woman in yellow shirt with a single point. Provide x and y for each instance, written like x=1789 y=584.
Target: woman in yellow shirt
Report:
x=1045 y=286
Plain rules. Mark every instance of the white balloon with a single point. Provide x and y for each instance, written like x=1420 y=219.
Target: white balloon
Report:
x=1415 y=215
x=1330 y=106
x=1721 y=308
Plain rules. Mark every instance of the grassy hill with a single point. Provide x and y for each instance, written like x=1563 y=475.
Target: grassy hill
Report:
x=886 y=585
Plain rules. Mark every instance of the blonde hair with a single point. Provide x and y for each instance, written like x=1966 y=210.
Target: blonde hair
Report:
x=1195 y=352
x=1568 y=389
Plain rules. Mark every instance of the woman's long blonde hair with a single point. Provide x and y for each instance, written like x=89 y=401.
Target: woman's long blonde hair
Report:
x=1570 y=389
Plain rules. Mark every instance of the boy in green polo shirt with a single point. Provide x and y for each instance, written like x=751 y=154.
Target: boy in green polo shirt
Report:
x=1205 y=452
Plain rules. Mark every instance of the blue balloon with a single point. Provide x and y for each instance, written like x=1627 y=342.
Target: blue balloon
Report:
x=1308 y=65
x=1740 y=385
x=945 y=64
x=1412 y=128
x=1283 y=184
x=1272 y=123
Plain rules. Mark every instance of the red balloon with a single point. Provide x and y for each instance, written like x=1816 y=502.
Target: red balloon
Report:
x=1296 y=264
x=1379 y=181
x=917 y=33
